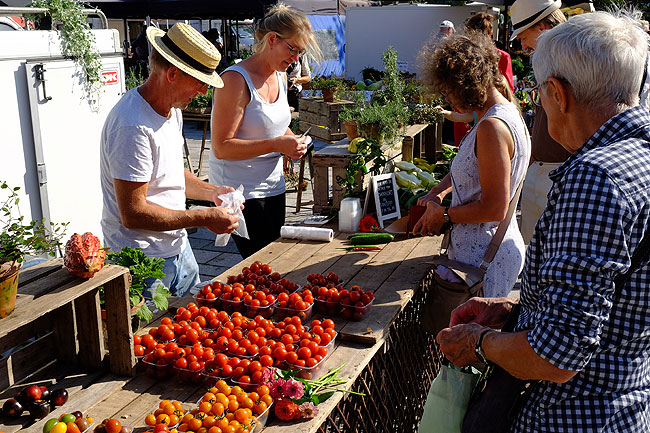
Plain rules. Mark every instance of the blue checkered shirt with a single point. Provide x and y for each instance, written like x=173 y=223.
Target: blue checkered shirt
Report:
x=597 y=213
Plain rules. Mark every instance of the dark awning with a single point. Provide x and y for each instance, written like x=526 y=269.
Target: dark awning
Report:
x=183 y=9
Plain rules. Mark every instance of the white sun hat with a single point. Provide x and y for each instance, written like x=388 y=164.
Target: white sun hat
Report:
x=446 y=24
x=187 y=49
x=526 y=13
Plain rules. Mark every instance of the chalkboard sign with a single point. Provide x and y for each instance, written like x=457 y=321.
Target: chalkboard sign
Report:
x=385 y=193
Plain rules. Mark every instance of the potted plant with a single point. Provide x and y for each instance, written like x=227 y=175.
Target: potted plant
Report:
x=142 y=267
x=19 y=238
x=201 y=103
x=328 y=86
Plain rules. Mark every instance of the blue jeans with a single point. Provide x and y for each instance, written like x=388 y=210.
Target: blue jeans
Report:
x=181 y=273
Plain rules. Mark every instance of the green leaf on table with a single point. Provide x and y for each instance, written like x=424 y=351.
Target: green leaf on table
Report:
x=160 y=297
x=144 y=313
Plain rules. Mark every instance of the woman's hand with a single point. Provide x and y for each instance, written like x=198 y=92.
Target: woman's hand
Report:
x=432 y=196
x=431 y=221
x=292 y=146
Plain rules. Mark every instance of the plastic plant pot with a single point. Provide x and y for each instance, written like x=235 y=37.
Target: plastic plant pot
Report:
x=290 y=312
x=355 y=313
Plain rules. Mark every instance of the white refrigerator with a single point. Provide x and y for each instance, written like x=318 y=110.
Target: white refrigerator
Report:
x=50 y=127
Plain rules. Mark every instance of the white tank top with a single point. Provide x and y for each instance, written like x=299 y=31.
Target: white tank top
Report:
x=262 y=175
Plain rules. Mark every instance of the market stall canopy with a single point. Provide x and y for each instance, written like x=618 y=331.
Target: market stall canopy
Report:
x=181 y=9
x=328 y=7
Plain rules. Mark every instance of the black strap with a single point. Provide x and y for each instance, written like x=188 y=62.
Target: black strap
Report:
x=184 y=56
x=640 y=257
x=645 y=76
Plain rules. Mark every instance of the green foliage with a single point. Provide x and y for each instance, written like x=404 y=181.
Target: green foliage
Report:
x=367 y=150
x=142 y=267
x=326 y=83
x=202 y=100
x=134 y=79
x=77 y=41
x=20 y=237
x=424 y=114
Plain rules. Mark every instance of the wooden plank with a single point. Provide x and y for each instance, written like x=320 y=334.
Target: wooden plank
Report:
x=393 y=295
x=118 y=325
x=89 y=330
x=320 y=186
x=32 y=307
x=26 y=361
x=18 y=336
x=93 y=393
x=38 y=271
x=41 y=286
x=355 y=358
x=65 y=331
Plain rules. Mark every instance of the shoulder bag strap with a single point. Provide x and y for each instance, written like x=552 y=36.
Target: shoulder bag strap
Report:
x=495 y=243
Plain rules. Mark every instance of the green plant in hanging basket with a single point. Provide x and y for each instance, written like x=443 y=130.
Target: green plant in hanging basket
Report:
x=77 y=40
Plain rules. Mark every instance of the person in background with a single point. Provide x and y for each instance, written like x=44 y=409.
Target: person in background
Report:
x=530 y=18
x=481 y=23
x=583 y=332
x=140 y=49
x=491 y=161
x=144 y=183
x=445 y=30
x=250 y=124
x=298 y=74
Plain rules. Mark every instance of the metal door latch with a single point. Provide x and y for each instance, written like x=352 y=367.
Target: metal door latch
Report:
x=40 y=76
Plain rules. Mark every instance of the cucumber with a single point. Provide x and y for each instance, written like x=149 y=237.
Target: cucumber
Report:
x=370 y=238
x=414 y=200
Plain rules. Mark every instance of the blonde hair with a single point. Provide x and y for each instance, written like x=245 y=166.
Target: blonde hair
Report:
x=157 y=62
x=553 y=19
x=287 y=23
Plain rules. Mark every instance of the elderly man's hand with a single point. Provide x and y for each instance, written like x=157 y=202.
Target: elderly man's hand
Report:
x=458 y=343
x=220 y=220
x=218 y=190
x=490 y=312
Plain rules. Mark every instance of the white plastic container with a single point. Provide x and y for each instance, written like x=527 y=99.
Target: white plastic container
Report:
x=350 y=215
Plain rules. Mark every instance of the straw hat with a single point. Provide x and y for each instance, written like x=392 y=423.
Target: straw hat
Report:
x=189 y=51
x=526 y=13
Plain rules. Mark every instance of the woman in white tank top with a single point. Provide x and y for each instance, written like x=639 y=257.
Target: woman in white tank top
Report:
x=250 y=124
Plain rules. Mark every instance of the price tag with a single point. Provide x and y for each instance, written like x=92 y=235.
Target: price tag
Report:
x=384 y=188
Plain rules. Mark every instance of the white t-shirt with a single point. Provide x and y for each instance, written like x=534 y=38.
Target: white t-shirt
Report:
x=140 y=145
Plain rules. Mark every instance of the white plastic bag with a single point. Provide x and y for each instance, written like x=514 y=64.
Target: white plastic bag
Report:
x=233 y=202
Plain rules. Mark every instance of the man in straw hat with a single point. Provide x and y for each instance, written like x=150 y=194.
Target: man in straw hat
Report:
x=529 y=19
x=144 y=182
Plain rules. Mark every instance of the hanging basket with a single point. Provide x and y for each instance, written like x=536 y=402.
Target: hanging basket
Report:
x=8 y=287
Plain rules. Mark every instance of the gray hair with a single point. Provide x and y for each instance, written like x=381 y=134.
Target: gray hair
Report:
x=601 y=55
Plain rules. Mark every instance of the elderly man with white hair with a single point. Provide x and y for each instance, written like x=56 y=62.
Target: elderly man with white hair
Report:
x=582 y=336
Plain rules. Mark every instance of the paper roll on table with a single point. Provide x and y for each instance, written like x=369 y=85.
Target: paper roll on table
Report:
x=307 y=233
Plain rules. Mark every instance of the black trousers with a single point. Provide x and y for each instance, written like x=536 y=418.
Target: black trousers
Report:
x=293 y=95
x=264 y=218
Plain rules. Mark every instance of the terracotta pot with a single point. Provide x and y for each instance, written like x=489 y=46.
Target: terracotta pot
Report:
x=8 y=287
x=369 y=131
x=351 y=130
x=328 y=94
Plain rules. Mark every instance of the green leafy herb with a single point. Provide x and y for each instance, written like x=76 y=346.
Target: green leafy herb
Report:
x=142 y=267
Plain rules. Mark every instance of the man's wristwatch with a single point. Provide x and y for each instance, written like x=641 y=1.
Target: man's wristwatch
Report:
x=446 y=214
x=478 y=348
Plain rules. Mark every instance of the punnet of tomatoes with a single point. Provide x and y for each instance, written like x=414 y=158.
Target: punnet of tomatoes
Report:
x=73 y=422
x=112 y=426
x=208 y=295
x=356 y=303
x=327 y=300
x=263 y=278
x=168 y=412
x=299 y=304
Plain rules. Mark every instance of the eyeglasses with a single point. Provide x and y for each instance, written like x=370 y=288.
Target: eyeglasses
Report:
x=534 y=94
x=293 y=50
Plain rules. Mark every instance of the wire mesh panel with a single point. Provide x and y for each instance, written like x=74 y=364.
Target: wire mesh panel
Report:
x=397 y=379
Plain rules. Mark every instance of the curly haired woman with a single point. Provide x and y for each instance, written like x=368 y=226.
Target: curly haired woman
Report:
x=491 y=161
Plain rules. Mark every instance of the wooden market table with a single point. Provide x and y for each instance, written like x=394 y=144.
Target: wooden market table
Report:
x=386 y=355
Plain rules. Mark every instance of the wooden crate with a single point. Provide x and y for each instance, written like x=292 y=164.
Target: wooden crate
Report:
x=336 y=157
x=422 y=141
x=323 y=117
x=57 y=318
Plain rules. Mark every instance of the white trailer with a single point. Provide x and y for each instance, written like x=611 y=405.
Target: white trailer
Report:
x=405 y=27
x=50 y=128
